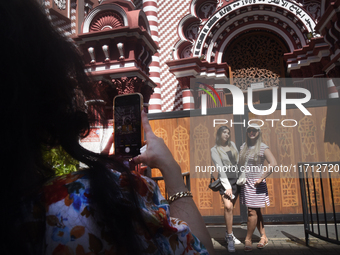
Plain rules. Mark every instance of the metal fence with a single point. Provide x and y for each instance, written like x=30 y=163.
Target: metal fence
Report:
x=320 y=195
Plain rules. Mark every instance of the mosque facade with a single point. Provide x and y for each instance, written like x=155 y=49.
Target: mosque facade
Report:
x=166 y=50
x=156 y=47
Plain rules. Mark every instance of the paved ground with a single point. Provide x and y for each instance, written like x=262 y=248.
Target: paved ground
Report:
x=283 y=240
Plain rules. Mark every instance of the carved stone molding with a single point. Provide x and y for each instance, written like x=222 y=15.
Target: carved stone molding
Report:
x=127 y=85
x=206 y=9
x=61 y=4
x=254 y=57
x=184 y=82
x=106 y=89
x=313 y=7
x=105 y=21
x=192 y=30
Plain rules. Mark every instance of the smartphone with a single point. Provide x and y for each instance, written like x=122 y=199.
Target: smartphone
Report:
x=127 y=124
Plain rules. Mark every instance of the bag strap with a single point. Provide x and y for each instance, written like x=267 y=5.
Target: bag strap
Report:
x=212 y=178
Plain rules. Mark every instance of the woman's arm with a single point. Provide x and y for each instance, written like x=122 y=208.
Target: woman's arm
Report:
x=215 y=156
x=271 y=164
x=157 y=155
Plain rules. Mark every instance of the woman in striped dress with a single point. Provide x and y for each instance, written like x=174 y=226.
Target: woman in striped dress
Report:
x=254 y=193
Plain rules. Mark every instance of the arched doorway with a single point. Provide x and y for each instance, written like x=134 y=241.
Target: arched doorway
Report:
x=255 y=56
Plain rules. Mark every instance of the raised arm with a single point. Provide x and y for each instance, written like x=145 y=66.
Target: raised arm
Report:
x=157 y=155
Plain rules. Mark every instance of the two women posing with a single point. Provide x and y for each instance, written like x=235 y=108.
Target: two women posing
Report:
x=253 y=193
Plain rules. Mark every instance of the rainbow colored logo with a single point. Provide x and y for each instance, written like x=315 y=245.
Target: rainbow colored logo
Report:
x=208 y=92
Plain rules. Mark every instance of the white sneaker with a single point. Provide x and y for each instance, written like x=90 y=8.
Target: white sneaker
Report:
x=231 y=244
x=236 y=241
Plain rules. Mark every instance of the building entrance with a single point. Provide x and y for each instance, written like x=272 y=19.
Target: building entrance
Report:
x=254 y=56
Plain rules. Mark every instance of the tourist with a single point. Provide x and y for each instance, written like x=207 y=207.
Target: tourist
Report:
x=103 y=209
x=254 y=193
x=225 y=157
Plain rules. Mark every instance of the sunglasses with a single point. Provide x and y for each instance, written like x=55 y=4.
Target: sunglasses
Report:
x=252 y=130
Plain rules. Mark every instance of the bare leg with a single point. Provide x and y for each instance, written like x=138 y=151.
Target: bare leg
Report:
x=251 y=224
x=228 y=213
x=260 y=224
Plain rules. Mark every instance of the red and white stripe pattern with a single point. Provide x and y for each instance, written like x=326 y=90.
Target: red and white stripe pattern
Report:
x=169 y=15
x=60 y=24
x=188 y=99
x=251 y=195
x=332 y=90
x=150 y=8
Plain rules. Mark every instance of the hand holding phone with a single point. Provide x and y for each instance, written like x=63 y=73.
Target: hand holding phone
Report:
x=156 y=153
x=127 y=124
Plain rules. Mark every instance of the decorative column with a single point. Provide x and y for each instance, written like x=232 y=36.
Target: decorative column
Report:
x=106 y=52
x=188 y=99
x=150 y=8
x=91 y=52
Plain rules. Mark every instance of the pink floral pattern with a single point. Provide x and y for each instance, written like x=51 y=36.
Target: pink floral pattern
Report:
x=72 y=229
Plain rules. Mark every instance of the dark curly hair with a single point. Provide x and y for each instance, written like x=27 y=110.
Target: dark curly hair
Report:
x=44 y=87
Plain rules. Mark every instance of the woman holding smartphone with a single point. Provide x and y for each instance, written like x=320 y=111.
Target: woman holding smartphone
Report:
x=225 y=157
x=103 y=209
x=254 y=193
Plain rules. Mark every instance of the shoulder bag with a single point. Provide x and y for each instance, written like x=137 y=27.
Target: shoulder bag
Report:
x=215 y=185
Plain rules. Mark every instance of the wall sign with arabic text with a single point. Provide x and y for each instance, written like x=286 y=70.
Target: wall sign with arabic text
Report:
x=293 y=8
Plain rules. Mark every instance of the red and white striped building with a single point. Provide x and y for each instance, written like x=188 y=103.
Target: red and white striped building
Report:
x=156 y=47
x=164 y=48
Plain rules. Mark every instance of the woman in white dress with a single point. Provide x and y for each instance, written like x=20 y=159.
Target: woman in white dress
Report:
x=225 y=157
x=254 y=193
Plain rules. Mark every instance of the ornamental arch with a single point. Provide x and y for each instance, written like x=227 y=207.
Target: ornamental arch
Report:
x=255 y=55
x=211 y=26
x=103 y=17
x=289 y=19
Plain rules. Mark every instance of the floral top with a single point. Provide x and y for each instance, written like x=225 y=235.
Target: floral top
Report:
x=72 y=229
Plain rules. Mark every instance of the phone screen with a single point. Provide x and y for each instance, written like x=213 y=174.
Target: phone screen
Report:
x=127 y=125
